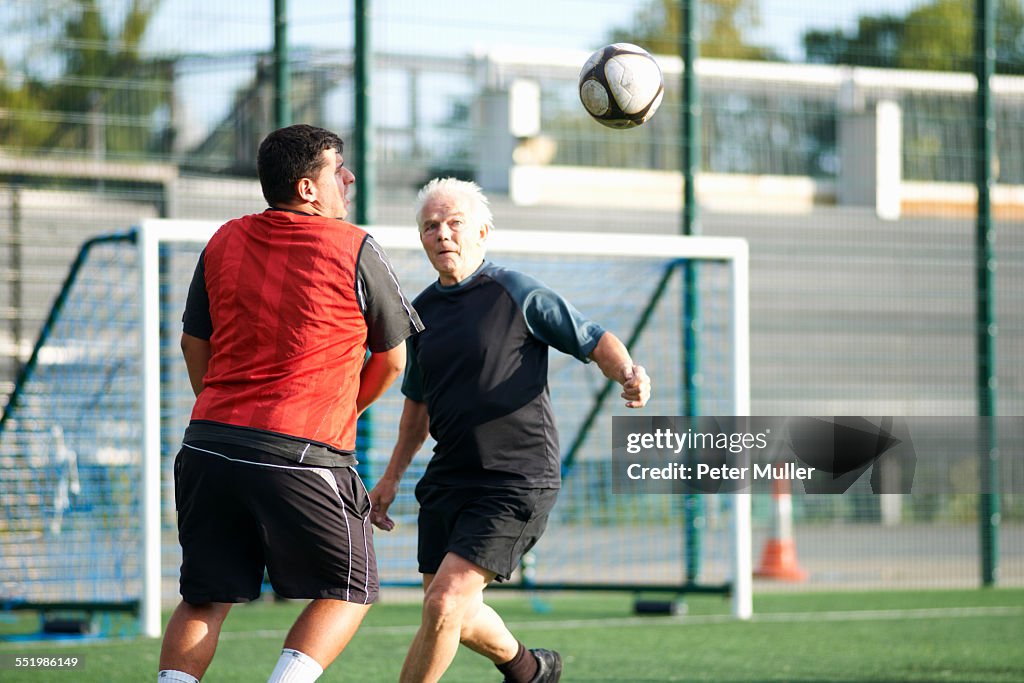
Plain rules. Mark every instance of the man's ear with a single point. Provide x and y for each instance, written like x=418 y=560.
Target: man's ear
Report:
x=305 y=190
x=485 y=232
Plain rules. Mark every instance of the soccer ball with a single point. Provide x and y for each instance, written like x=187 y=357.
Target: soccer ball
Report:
x=621 y=85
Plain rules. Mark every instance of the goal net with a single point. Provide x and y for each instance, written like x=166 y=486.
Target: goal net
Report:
x=89 y=435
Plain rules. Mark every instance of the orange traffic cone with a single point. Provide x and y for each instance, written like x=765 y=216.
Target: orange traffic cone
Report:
x=778 y=558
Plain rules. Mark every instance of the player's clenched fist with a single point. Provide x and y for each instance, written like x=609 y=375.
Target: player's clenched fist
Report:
x=636 y=388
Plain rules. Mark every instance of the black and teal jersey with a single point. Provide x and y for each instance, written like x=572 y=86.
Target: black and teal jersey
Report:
x=481 y=366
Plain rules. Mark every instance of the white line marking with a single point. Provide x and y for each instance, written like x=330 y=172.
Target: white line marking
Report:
x=696 y=620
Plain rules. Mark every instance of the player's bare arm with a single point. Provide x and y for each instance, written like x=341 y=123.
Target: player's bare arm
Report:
x=413 y=428
x=197 y=359
x=613 y=358
x=379 y=372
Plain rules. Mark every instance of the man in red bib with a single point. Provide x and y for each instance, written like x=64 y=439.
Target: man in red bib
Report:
x=281 y=312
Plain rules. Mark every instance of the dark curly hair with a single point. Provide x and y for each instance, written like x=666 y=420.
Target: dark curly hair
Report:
x=290 y=154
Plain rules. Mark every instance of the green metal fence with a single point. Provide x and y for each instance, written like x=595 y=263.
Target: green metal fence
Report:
x=841 y=150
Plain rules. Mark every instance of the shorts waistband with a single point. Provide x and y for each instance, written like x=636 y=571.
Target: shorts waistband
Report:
x=290 y=448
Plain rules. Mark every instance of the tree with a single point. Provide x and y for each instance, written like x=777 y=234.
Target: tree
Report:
x=876 y=43
x=90 y=89
x=935 y=36
x=1010 y=37
x=724 y=25
x=939 y=37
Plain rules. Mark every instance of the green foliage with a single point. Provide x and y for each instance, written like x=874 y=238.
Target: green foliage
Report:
x=90 y=89
x=876 y=43
x=935 y=36
x=724 y=25
x=938 y=37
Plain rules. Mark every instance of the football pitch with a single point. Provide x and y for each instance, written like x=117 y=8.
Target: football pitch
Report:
x=949 y=635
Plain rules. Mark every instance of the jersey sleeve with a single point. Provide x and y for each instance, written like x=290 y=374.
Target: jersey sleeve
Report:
x=196 y=319
x=550 y=317
x=412 y=382
x=390 y=318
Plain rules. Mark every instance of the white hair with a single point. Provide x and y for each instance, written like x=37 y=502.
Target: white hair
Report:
x=473 y=198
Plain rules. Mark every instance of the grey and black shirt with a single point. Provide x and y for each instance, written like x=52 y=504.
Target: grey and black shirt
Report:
x=481 y=366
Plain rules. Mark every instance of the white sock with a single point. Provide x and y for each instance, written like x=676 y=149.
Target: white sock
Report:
x=172 y=676
x=295 y=667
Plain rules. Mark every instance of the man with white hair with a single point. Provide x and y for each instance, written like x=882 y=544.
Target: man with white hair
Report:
x=476 y=381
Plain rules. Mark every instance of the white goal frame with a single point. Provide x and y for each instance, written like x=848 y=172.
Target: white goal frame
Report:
x=734 y=251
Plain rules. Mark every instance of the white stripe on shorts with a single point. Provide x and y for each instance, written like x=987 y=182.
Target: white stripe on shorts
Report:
x=328 y=477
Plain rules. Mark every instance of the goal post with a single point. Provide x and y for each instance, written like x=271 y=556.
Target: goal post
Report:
x=108 y=379
x=591 y=270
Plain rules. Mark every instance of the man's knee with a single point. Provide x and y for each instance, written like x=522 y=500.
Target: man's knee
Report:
x=443 y=605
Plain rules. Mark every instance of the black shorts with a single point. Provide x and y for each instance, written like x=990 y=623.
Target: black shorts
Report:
x=492 y=527
x=241 y=511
